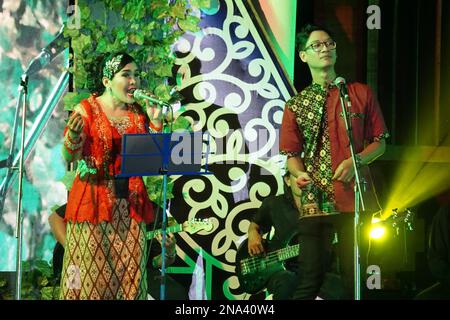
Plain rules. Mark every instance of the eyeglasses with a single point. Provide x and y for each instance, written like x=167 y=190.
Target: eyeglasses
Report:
x=317 y=46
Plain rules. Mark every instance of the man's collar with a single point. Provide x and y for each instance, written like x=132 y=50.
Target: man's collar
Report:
x=330 y=86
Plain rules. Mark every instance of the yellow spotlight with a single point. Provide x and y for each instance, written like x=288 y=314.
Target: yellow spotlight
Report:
x=377 y=232
x=377 y=229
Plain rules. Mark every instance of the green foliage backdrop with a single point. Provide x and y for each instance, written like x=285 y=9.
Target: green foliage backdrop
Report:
x=145 y=29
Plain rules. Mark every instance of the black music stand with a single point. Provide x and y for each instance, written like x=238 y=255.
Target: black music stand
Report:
x=164 y=154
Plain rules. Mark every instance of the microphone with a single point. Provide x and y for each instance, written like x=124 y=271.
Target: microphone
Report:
x=47 y=54
x=342 y=85
x=140 y=94
x=339 y=81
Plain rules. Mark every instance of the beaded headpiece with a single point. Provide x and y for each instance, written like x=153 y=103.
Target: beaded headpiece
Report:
x=112 y=66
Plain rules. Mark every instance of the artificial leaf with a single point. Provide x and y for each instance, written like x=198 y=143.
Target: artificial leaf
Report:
x=140 y=38
x=102 y=45
x=189 y=24
x=178 y=11
x=201 y=4
x=121 y=34
x=164 y=70
x=162 y=91
x=146 y=29
x=85 y=12
x=68 y=179
x=154 y=187
x=181 y=124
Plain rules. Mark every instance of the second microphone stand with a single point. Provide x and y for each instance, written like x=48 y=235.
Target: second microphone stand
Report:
x=164 y=171
x=359 y=201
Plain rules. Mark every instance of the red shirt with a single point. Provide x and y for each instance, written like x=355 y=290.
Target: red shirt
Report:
x=367 y=123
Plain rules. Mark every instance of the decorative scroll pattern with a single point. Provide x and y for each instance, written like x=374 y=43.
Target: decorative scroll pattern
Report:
x=234 y=91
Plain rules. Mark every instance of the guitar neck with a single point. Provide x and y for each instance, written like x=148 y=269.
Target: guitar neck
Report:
x=172 y=229
x=257 y=264
x=286 y=253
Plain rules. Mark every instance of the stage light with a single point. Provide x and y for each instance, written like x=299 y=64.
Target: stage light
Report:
x=402 y=218
x=422 y=172
x=395 y=220
x=377 y=232
x=377 y=229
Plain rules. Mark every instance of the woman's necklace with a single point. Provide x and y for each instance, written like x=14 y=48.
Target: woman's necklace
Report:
x=121 y=123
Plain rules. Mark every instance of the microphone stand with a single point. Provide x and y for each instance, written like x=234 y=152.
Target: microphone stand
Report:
x=164 y=172
x=10 y=161
x=358 y=193
x=19 y=217
x=16 y=161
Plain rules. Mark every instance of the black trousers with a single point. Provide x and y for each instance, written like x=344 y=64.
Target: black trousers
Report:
x=282 y=284
x=325 y=269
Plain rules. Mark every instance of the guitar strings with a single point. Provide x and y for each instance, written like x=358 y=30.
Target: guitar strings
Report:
x=270 y=258
x=255 y=262
x=176 y=228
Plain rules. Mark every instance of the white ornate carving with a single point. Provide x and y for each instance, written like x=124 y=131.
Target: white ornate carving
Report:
x=254 y=99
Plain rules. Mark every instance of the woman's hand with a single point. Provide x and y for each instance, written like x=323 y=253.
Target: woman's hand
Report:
x=154 y=112
x=155 y=115
x=75 y=125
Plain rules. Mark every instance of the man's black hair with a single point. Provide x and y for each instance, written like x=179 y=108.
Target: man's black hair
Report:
x=302 y=37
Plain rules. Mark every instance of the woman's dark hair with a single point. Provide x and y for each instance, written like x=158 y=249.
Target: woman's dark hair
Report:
x=302 y=37
x=95 y=71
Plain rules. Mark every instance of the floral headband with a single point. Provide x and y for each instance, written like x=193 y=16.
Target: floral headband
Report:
x=112 y=66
